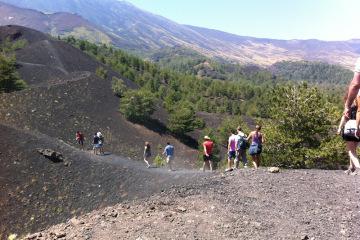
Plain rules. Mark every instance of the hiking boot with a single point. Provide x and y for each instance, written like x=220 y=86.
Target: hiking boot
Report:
x=349 y=171
x=355 y=172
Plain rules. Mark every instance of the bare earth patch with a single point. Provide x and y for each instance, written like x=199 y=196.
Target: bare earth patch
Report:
x=246 y=204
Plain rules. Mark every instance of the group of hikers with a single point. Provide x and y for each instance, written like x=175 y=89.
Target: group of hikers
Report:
x=236 y=149
x=98 y=142
x=168 y=152
x=238 y=142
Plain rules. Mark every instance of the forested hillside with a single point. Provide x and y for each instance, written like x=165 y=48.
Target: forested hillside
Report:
x=235 y=96
x=312 y=72
x=246 y=91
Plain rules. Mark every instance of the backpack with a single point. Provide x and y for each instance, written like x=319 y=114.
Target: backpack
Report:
x=242 y=143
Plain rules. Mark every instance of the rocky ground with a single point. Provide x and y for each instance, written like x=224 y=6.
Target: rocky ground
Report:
x=244 y=204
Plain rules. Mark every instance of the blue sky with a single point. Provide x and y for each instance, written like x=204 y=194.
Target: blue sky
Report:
x=278 y=19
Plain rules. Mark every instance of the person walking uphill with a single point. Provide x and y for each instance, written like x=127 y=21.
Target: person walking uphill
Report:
x=208 y=146
x=169 y=153
x=257 y=140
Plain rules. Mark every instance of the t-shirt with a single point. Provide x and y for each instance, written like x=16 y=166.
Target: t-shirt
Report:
x=232 y=142
x=96 y=139
x=208 y=145
x=169 y=150
x=357 y=66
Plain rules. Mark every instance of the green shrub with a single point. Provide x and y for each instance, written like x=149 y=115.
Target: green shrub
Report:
x=299 y=134
x=118 y=86
x=159 y=161
x=9 y=78
x=137 y=105
x=101 y=72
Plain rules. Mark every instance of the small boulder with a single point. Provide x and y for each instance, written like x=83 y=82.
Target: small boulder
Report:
x=51 y=154
x=181 y=209
x=273 y=169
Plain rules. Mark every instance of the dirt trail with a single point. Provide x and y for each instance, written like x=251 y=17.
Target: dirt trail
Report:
x=36 y=193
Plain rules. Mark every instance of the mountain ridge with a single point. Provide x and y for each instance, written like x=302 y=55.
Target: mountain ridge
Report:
x=141 y=31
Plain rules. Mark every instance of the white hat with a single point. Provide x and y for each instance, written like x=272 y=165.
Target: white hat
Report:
x=99 y=134
x=207 y=138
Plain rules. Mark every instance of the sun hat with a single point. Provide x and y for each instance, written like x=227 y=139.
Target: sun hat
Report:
x=207 y=138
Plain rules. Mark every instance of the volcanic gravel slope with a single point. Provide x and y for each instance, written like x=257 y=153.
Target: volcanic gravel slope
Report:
x=36 y=192
x=66 y=96
x=245 y=204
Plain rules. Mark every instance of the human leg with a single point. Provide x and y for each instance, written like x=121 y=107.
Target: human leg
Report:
x=146 y=161
x=231 y=156
x=169 y=162
x=351 y=146
x=236 y=161
x=243 y=158
x=255 y=163
x=210 y=165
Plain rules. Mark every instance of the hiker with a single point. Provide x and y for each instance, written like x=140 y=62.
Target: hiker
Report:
x=348 y=129
x=169 y=153
x=231 y=150
x=351 y=96
x=207 y=157
x=353 y=90
x=101 y=143
x=79 y=136
x=147 y=154
x=257 y=140
x=96 y=143
x=241 y=146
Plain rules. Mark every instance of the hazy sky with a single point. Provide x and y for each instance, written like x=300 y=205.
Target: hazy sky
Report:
x=279 y=19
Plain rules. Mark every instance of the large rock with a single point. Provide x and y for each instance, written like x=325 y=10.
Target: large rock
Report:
x=51 y=154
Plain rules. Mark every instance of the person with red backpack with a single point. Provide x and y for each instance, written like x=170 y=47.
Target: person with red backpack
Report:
x=79 y=136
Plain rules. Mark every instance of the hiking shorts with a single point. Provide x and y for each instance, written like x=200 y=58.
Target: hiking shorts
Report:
x=169 y=158
x=207 y=158
x=232 y=154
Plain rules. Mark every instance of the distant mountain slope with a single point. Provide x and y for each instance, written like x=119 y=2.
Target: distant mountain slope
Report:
x=142 y=31
x=56 y=24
